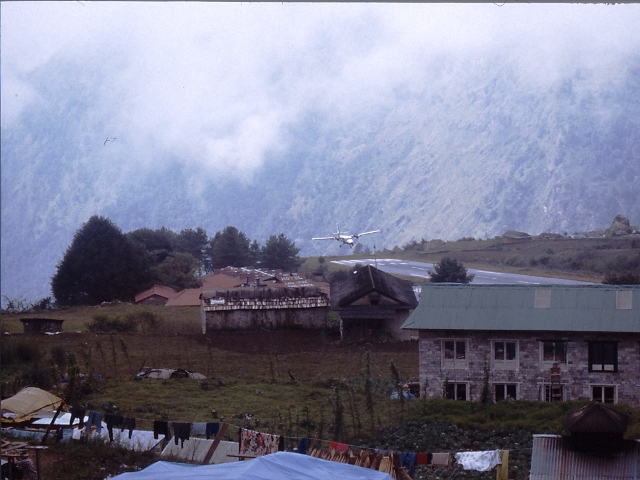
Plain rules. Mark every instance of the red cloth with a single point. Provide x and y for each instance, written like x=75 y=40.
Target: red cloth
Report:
x=333 y=445
x=342 y=447
x=422 y=458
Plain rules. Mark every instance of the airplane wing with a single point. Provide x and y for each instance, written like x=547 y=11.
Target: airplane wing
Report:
x=324 y=238
x=366 y=233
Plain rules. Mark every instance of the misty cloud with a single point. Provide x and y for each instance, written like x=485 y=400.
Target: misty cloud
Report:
x=215 y=85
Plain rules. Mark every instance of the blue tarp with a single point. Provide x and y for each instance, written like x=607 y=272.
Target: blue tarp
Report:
x=281 y=466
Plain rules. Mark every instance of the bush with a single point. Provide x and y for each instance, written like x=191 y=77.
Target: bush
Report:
x=144 y=320
x=105 y=324
x=515 y=261
x=19 y=351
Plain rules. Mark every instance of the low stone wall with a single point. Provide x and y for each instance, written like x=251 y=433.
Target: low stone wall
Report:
x=247 y=319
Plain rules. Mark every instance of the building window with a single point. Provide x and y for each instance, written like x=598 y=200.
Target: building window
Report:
x=543 y=298
x=554 y=352
x=505 y=355
x=455 y=391
x=603 y=356
x=455 y=354
x=603 y=393
x=505 y=390
x=553 y=393
x=624 y=300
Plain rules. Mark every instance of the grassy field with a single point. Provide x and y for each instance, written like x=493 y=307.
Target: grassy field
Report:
x=290 y=382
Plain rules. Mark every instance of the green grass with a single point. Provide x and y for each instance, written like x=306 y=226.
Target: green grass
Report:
x=532 y=416
x=76 y=319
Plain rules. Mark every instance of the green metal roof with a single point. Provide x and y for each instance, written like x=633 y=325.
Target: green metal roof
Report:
x=577 y=308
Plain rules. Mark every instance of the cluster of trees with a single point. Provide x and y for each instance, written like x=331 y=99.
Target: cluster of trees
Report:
x=103 y=264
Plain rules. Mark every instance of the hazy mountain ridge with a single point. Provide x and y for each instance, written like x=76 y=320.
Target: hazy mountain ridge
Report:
x=471 y=149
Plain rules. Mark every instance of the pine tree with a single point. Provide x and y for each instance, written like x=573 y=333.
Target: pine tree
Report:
x=100 y=265
x=280 y=252
x=450 y=270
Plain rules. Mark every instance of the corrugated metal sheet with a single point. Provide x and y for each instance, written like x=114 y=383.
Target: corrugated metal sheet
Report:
x=552 y=460
x=580 y=308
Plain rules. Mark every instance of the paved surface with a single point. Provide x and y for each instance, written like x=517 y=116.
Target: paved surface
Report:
x=419 y=269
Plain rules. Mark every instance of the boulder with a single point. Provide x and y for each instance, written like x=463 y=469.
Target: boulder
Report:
x=620 y=226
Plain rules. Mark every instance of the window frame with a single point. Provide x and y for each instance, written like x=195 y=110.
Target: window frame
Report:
x=596 y=348
x=603 y=396
x=455 y=363
x=546 y=392
x=505 y=392
x=455 y=386
x=504 y=363
x=549 y=363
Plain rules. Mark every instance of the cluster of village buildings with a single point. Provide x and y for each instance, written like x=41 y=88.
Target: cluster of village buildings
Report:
x=534 y=342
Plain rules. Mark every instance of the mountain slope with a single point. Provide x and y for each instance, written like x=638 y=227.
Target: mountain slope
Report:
x=474 y=147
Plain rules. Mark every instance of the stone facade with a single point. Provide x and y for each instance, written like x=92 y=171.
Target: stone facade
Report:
x=453 y=362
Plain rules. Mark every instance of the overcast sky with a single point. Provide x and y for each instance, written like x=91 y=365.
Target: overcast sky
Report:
x=217 y=84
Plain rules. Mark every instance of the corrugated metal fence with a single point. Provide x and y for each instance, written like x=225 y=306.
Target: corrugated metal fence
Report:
x=552 y=460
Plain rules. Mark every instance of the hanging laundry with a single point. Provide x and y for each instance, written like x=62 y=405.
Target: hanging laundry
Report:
x=77 y=413
x=302 y=446
x=95 y=418
x=479 y=461
x=161 y=428
x=112 y=420
x=257 y=443
x=502 y=472
x=129 y=423
x=441 y=460
x=181 y=431
x=199 y=428
x=408 y=460
x=423 y=458
x=212 y=428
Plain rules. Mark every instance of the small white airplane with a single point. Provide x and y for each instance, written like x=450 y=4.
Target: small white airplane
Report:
x=345 y=238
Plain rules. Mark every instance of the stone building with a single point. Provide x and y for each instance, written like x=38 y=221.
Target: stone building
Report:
x=372 y=304
x=535 y=342
x=252 y=308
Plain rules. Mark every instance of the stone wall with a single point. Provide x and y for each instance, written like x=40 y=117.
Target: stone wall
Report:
x=529 y=372
x=308 y=318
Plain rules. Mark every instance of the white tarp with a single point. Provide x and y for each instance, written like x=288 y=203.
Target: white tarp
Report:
x=62 y=420
x=141 y=440
x=281 y=466
x=195 y=449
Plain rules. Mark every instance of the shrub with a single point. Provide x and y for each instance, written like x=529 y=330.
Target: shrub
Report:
x=146 y=320
x=19 y=351
x=105 y=324
x=515 y=261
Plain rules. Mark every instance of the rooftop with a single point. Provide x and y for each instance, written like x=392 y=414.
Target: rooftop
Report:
x=585 y=308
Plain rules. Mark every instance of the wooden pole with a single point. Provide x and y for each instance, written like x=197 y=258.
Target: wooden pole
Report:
x=46 y=433
x=216 y=442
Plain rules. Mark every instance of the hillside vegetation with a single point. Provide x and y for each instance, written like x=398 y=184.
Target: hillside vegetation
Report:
x=294 y=383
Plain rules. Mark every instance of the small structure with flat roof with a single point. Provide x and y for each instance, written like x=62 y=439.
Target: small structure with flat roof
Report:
x=41 y=325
